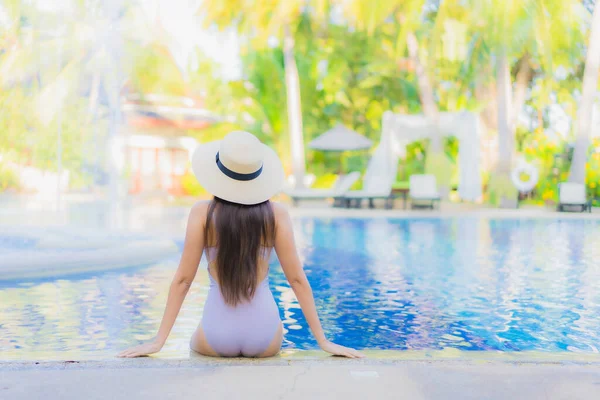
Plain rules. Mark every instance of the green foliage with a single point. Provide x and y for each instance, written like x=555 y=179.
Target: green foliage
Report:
x=439 y=165
x=255 y=103
x=15 y=108
x=352 y=69
x=25 y=141
x=339 y=84
x=57 y=74
x=401 y=185
x=593 y=173
x=499 y=187
x=345 y=85
x=551 y=157
x=325 y=181
x=551 y=160
x=8 y=179
x=414 y=162
x=419 y=161
x=359 y=184
x=520 y=27
x=156 y=72
x=191 y=187
x=356 y=162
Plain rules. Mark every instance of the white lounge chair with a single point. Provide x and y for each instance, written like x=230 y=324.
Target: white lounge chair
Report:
x=423 y=191
x=375 y=187
x=573 y=195
x=309 y=180
x=343 y=184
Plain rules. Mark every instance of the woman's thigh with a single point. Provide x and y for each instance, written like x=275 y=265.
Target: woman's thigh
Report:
x=200 y=345
x=275 y=346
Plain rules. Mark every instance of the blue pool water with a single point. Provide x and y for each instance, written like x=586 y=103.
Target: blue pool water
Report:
x=16 y=243
x=418 y=284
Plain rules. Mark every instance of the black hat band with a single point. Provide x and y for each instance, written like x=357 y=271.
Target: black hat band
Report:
x=237 y=176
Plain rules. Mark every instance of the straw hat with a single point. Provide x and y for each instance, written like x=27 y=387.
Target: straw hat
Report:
x=239 y=169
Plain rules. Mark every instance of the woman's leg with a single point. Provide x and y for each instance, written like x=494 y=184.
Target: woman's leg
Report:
x=275 y=346
x=200 y=345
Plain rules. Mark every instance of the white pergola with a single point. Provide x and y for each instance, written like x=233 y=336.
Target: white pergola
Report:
x=399 y=130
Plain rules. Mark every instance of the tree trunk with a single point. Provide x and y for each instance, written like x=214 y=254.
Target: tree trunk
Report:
x=294 y=108
x=505 y=141
x=94 y=92
x=486 y=94
x=590 y=84
x=521 y=85
x=426 y=95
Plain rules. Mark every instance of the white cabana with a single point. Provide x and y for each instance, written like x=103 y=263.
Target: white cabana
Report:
x=399 y=130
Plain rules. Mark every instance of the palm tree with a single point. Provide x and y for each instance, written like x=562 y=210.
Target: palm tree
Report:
x=518 y=32
x=411 y=22
x=409 y=15
x=590 y=85
x=260 y=21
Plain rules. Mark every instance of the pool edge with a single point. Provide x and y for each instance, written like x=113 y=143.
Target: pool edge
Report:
x=374 y=357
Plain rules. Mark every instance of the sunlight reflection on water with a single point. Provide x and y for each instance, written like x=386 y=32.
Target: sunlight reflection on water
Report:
x=469 y=283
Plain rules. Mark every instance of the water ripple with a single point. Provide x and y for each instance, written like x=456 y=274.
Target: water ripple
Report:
x=470 y=284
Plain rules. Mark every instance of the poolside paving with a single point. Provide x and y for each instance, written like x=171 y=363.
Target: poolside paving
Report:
x=165 y=219
x=281 y=378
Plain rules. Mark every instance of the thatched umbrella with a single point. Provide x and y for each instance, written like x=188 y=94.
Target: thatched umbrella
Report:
x=340 y=139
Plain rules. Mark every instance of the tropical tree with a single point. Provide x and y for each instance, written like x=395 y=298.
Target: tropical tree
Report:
x=407 y=17
x=520 y=34
x=62 y=57
x=409 y=25
x=260 y=21
x=590 y=87
x=253 y=103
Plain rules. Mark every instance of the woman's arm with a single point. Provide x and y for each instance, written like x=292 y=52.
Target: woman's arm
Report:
x=285 y=246
x=182 y=281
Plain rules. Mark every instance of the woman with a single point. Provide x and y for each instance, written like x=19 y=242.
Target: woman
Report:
x=237 y=231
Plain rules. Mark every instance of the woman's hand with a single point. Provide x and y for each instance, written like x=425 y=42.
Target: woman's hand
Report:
x=341 y=351
x=142 y=350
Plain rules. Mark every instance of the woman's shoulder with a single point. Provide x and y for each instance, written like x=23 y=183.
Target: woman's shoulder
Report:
x=280 y=210
x=200 y=208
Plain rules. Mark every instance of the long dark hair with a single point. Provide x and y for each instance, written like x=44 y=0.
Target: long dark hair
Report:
x=239 y=232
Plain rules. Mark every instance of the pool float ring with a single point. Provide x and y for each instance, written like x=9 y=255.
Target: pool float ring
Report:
x=525 y=168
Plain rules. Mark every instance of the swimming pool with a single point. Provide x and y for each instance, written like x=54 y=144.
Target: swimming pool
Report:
x=470 y=283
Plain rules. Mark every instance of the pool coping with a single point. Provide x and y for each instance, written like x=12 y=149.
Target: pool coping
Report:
x=492 y=213
x=311 y=357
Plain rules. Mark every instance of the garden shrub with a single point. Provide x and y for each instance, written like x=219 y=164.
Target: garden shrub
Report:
x=439 y=165
x=190 y=185
x=500 y=186
x=326 y=181
x=8 y=179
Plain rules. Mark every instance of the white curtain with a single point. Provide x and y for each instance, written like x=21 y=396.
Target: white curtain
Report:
x=399 y=130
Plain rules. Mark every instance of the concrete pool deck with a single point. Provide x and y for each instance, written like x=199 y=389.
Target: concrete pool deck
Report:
x=308 y=375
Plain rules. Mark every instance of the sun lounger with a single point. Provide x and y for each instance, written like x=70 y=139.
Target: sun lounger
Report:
x=375 y=187
x=309 y=180
x=343 y=184
x=572 y=195
x=423 y=191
